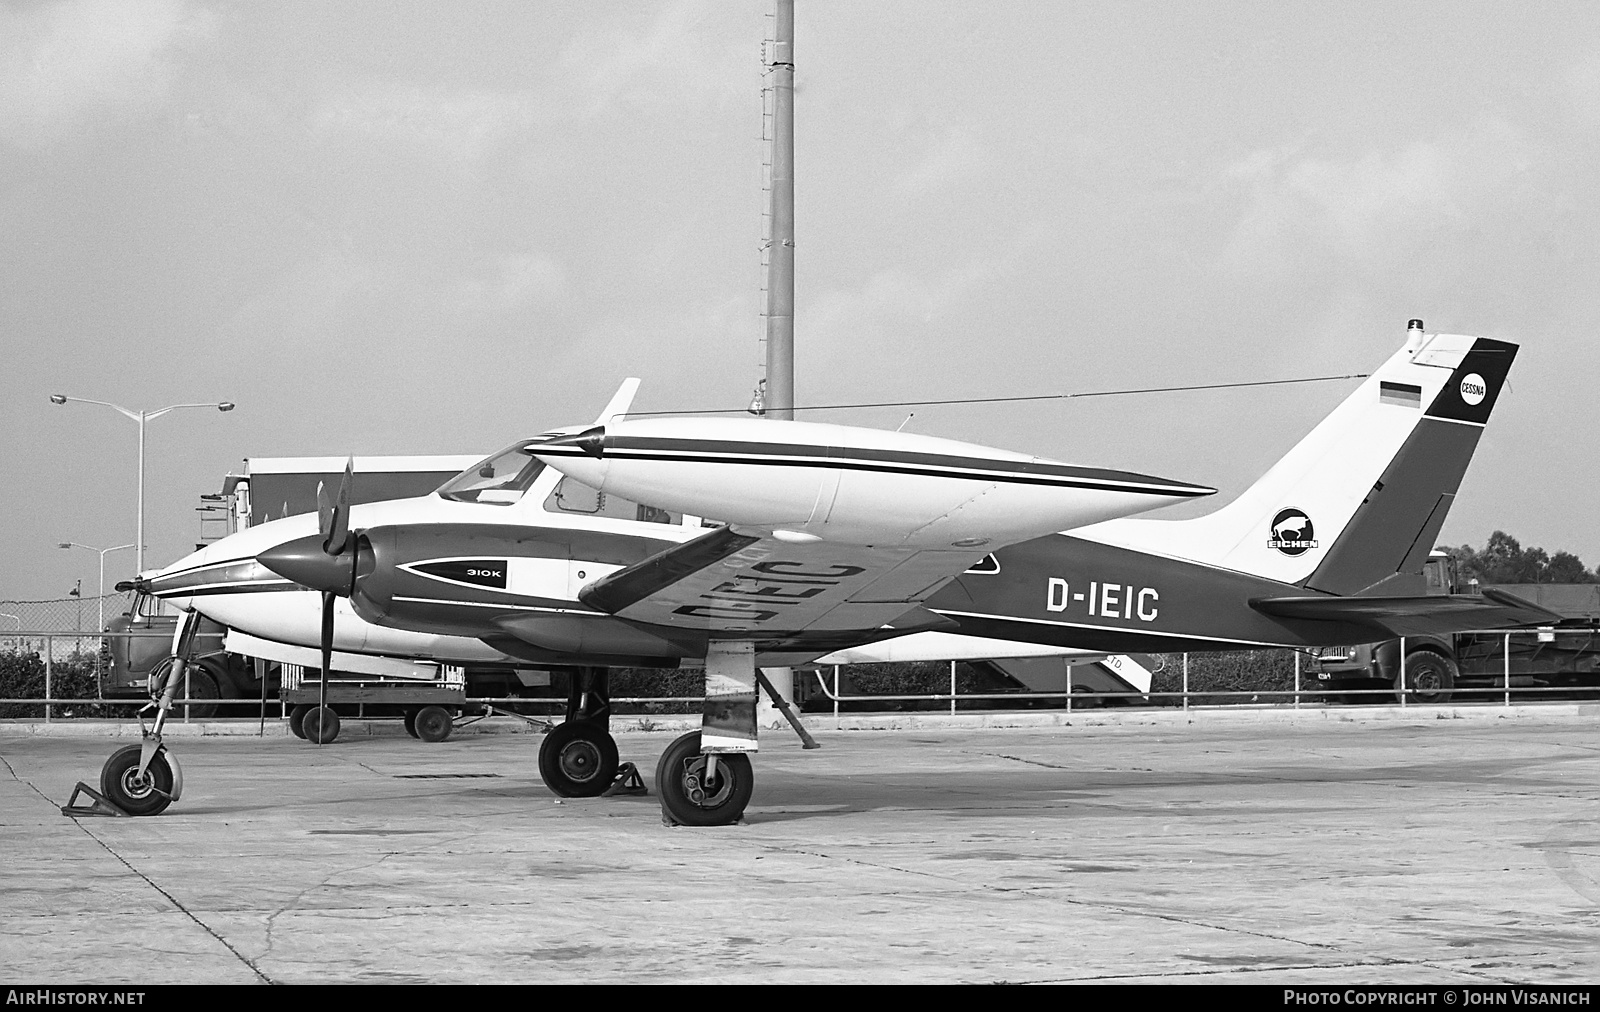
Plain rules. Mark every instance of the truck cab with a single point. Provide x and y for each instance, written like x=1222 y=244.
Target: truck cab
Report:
x=1430 y=666
x=140 y=644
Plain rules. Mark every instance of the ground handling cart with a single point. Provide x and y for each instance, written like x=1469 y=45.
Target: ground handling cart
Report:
x=429 y=707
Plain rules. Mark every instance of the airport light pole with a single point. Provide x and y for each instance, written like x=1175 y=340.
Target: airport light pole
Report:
x=779 y=396
x=103 y=552
x=141 y=417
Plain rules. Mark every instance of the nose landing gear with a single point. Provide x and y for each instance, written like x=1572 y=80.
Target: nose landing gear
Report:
x=144 y=779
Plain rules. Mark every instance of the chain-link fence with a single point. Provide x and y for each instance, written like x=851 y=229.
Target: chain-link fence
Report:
x=67 y=614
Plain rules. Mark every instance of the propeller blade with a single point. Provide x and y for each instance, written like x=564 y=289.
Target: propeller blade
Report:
x=336 y=534
x=324 y=512
x=327 y=655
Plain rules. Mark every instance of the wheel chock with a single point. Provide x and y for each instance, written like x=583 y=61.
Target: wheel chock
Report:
x=98 y=804
x=627 y=782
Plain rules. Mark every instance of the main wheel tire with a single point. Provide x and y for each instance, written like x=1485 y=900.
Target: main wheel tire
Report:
x=432 y=723
x=121 y=784
x=687 y=800
x=410 y=721
x=578 y=759
x=297 y=714
x=321 y=725
x=1429 y=678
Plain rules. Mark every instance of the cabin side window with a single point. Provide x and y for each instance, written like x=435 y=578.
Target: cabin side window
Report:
x=573 y=496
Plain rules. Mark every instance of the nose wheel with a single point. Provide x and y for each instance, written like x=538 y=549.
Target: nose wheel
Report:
x=697 y=789
x=147 y=793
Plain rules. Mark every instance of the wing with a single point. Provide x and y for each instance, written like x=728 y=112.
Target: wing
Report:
x=755 y=585
x=1414 y=616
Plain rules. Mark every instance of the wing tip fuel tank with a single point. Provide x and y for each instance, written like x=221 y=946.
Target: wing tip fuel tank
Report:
x=849 y=484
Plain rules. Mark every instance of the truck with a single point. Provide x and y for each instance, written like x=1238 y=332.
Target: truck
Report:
x=1562 y=657
x=139 y=640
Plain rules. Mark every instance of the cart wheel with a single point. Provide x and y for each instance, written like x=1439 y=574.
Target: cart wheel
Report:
x=432 y=723
x=577 y=759
x=409 y=719
x=121 y=784
x=297 y=714
x=689 y=798
x=320 y=724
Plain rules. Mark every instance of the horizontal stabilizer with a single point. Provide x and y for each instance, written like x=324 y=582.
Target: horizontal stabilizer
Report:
x=1413 y=616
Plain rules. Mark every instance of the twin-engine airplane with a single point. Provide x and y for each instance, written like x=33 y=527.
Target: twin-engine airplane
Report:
x=585 y=546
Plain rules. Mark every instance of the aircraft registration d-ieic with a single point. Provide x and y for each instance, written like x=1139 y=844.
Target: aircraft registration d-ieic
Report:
x=742 y=543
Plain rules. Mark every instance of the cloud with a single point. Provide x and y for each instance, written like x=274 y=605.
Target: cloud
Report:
x=953 y=157
x=1583 y=91
x=672 y=63
x=454 y=123
x=669 y=62
x=506 y=284
x=1368 y=208
x=68 y=67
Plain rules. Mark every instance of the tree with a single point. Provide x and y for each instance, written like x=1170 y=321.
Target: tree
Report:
x=1504 y=560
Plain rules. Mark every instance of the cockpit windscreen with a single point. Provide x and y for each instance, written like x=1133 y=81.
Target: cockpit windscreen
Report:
x=499 y=480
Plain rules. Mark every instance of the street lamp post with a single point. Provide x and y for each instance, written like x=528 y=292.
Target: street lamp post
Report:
x=141 y=417
x=103 y=553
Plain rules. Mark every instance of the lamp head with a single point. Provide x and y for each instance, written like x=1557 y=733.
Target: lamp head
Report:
x=225 y=406
x=64 y=544
x=58 y=398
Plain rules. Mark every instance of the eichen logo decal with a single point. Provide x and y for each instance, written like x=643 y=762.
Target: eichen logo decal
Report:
x=1473 y=389
x=1291 y=532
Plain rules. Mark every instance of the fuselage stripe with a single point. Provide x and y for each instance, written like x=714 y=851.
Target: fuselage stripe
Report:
x=951 y=467
x=1154 y=634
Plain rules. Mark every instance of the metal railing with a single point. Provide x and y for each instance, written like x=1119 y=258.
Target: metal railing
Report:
x=1408 y=694
x=47 y=647
x=23 y=644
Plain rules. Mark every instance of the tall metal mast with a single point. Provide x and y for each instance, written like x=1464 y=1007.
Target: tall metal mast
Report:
x=780 y=254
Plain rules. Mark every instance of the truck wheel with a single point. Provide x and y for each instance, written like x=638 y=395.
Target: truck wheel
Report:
x=1429 y=677
x=202 y=686
x=321 y=725
x=297 y=714
x=410 y=721
x=433 y=723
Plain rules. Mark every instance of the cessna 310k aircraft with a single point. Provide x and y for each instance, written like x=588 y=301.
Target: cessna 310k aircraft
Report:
x=585 y=546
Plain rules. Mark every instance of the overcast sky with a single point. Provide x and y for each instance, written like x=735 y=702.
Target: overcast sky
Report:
x=435 y=228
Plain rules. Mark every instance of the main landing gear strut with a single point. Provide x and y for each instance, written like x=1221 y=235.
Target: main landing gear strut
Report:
x=705 y=778
x=144 y=779
x=578 y=757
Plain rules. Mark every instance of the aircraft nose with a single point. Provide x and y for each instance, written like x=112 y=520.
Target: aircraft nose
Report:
x=304 y=561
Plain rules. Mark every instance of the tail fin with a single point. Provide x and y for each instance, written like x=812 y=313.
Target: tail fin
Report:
x=1360 y=499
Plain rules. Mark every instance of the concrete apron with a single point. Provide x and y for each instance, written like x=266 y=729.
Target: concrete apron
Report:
x=277 y=727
